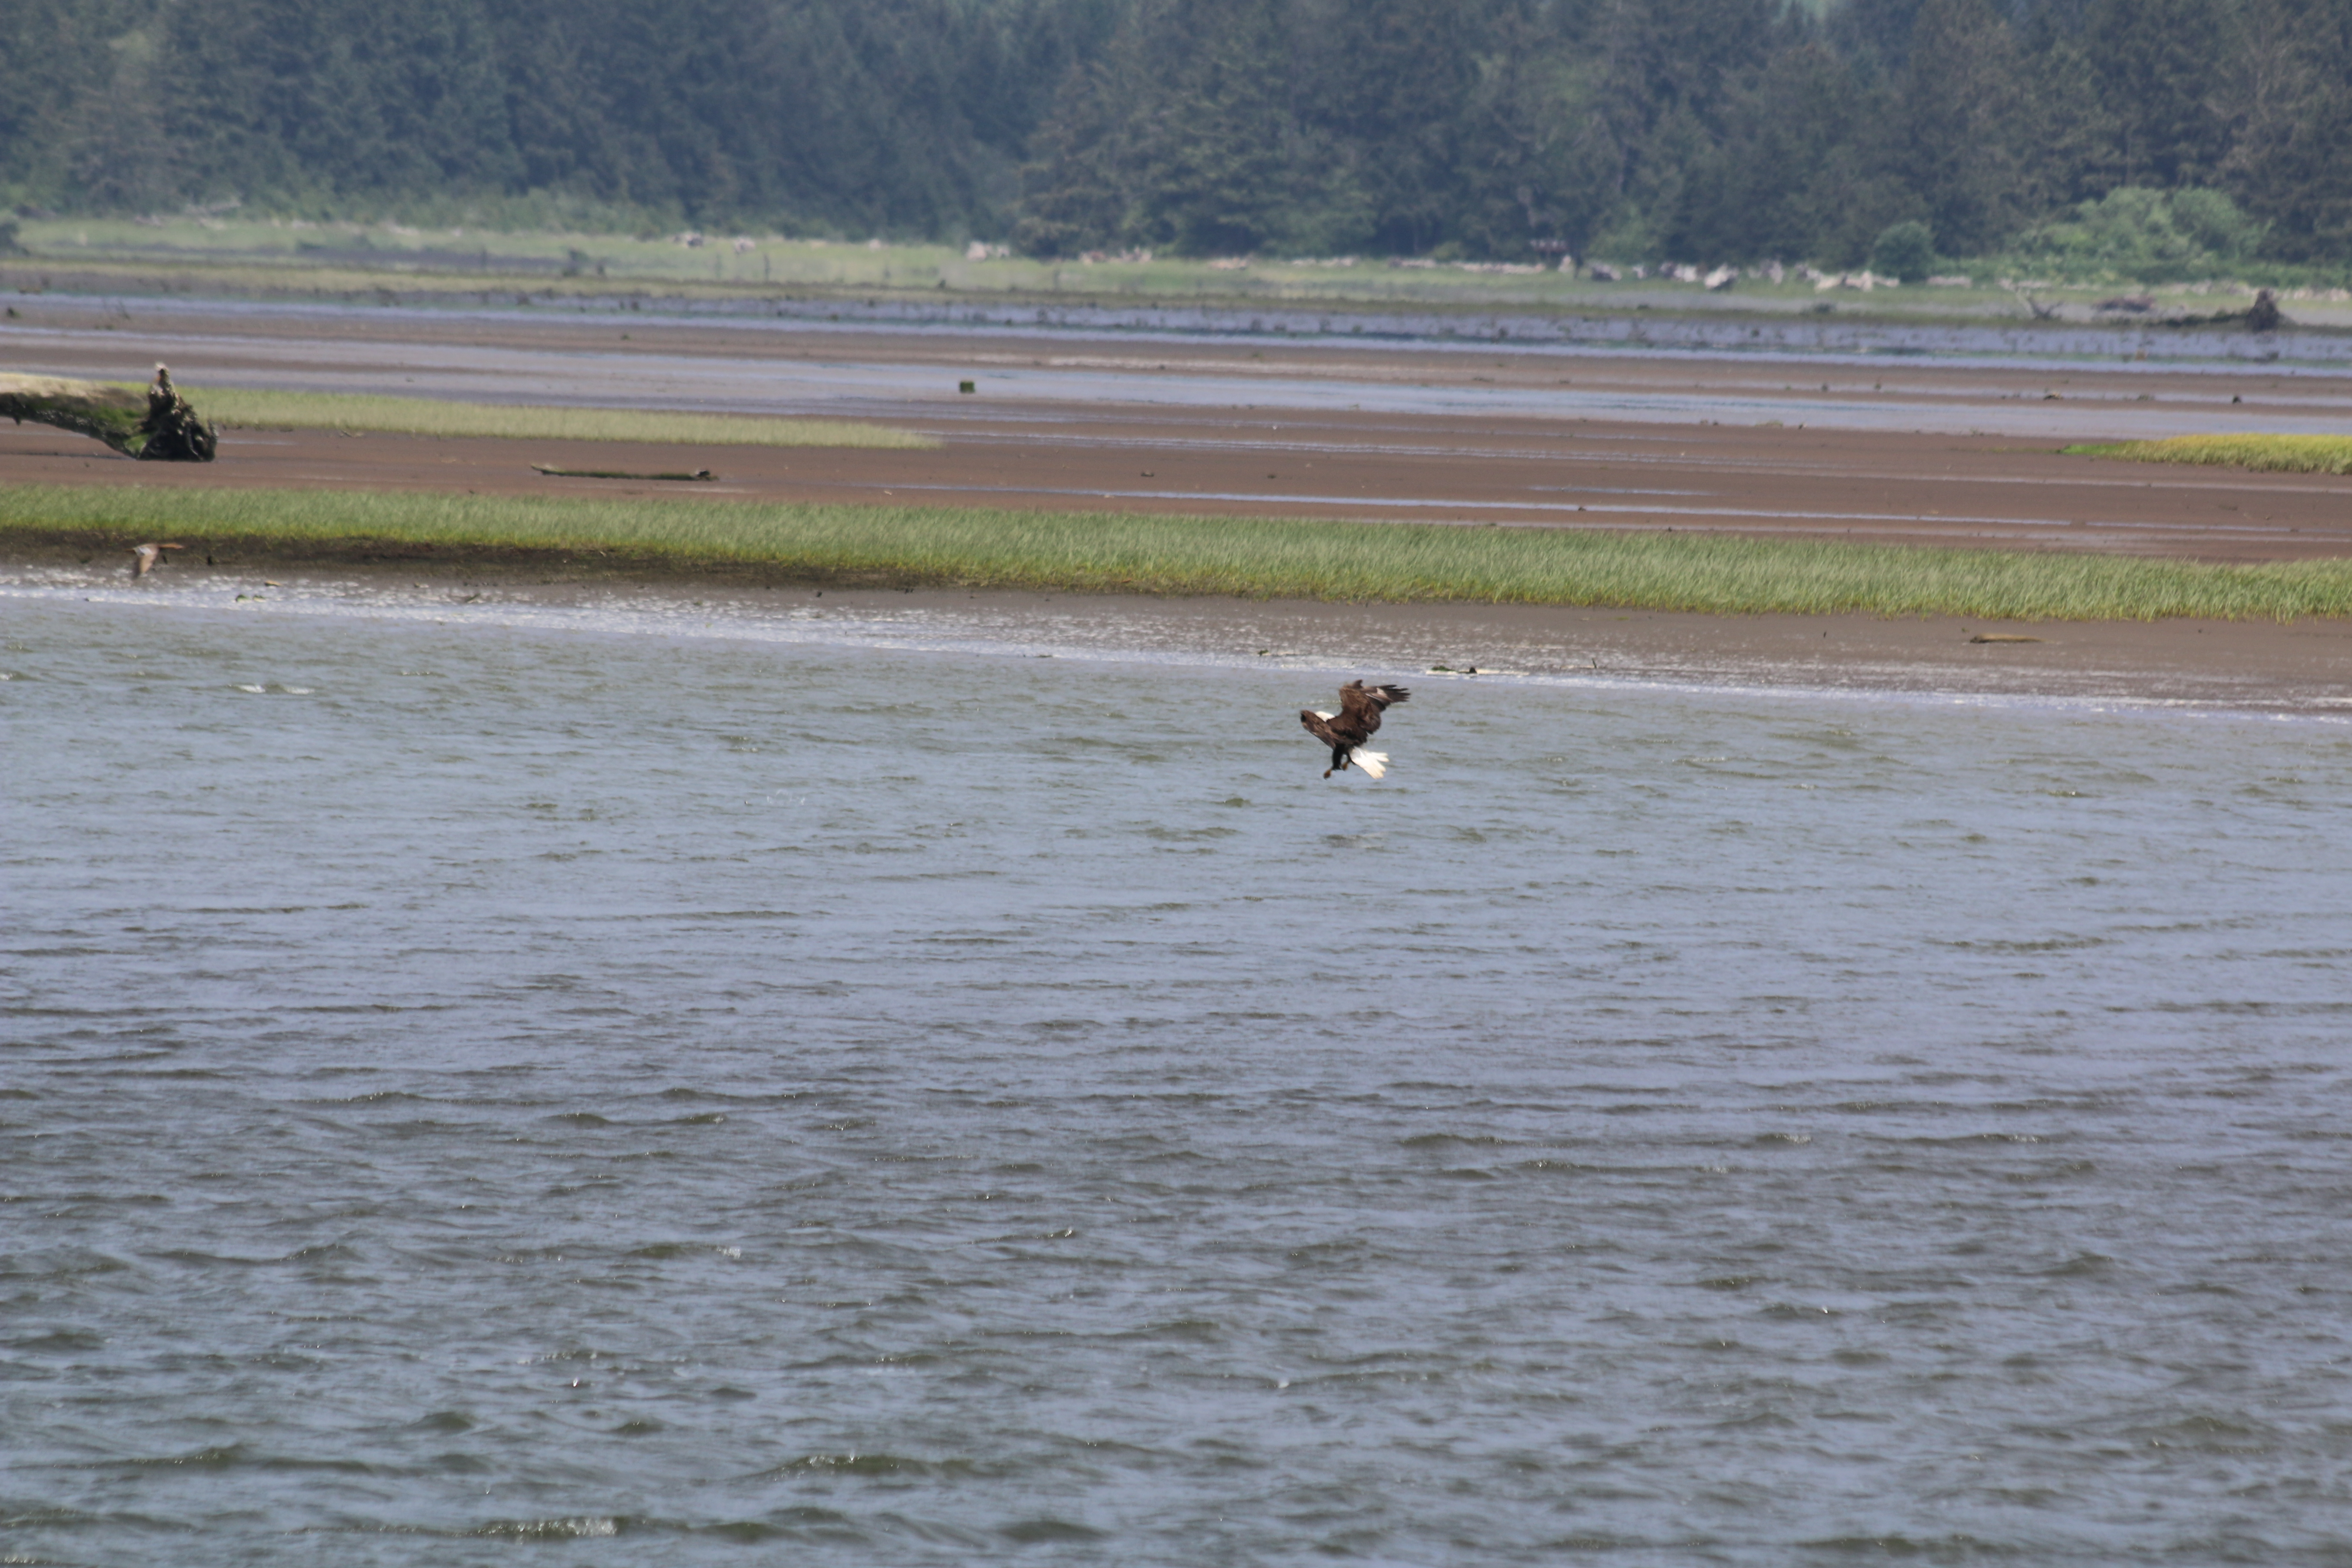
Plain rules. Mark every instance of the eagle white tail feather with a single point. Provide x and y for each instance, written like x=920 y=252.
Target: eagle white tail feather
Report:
x=1373 y=763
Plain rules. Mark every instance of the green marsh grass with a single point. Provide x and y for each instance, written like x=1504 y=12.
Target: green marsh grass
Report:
x=236 y=409
x=1248 y=557
x=546 y=258
x=2278 y=454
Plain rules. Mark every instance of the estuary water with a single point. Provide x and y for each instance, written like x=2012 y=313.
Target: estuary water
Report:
x=473 y=1093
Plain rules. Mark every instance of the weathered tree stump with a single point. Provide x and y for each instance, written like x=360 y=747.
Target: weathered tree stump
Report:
x=174 y=434
x=159 y=427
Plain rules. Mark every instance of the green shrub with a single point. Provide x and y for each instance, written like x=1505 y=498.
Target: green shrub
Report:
x=1904 y=250
x=2136 y=232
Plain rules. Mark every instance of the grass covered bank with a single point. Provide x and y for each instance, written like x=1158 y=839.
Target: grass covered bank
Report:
x=1121 y=553
x=236 y=409
x=2277 y=454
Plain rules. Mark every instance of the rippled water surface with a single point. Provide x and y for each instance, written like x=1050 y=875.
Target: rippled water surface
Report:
x=706 y=1101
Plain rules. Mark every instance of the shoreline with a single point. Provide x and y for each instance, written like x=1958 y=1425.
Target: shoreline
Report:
x=1656 y=314
x=2300 y=669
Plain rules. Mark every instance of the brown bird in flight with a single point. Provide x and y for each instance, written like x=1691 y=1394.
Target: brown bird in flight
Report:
x=151 y=556
x=1346 y=731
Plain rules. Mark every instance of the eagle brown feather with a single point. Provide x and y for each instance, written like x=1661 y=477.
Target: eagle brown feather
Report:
x=1360 y=707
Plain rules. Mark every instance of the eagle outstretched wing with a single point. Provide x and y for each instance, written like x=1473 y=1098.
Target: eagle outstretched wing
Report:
x=1346 y=731
x=1358 y=715
x=1360 y=706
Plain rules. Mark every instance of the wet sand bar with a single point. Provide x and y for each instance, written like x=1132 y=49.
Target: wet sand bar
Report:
x=1866 y=447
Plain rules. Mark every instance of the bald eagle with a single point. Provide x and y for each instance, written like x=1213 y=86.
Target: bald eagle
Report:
x=1346 y=731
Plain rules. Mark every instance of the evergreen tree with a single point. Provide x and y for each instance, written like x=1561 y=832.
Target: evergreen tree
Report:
x=1074 y=195
x=1389 y=81
x=2292 y=98
x=1212 y=168
x=2155 y=61
x=1951 y=119
x=1796 y=173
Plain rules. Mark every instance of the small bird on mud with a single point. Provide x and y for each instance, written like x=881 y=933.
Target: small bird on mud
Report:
x=149 y=556
x=1346 y=731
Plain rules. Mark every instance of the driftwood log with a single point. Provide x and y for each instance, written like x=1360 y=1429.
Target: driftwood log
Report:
x=2262 y=316
x=159 y=427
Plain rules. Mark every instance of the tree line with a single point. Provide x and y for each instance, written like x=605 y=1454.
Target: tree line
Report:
x=2180 y=133
x=904 y=117
x=1706 y=130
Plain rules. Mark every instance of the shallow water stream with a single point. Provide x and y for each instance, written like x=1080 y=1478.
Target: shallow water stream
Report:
x=707 y=1101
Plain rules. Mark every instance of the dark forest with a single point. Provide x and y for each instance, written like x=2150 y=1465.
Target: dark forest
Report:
x=2184 y=132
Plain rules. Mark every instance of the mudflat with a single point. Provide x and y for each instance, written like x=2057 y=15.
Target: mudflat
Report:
x=1859 y=486
x=1775 y=446
x=1473 y=436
